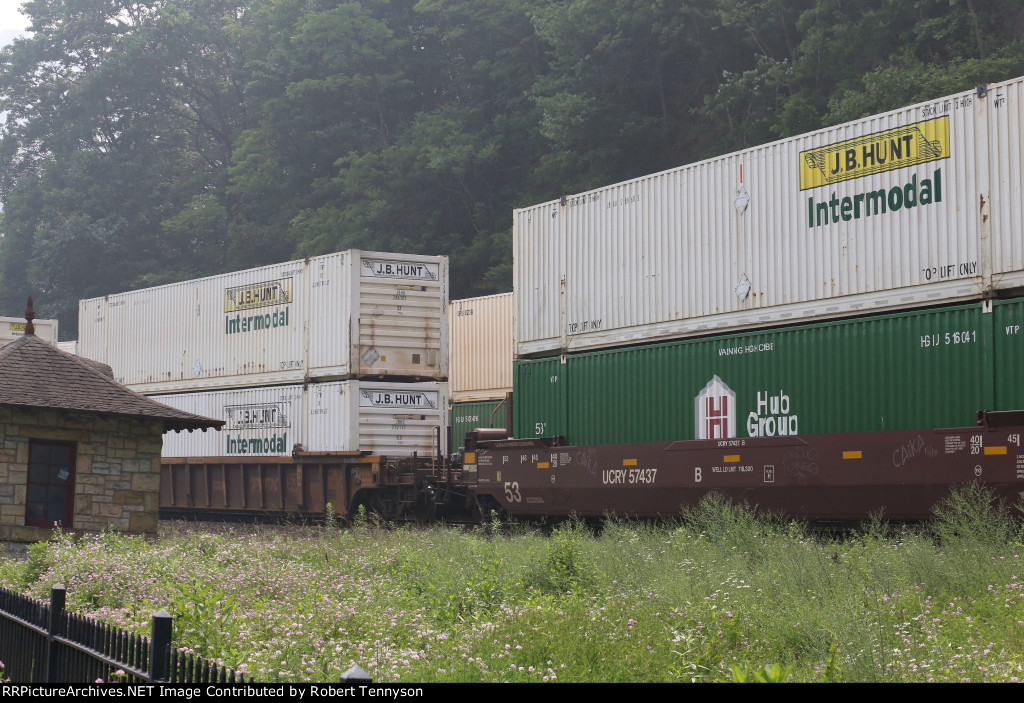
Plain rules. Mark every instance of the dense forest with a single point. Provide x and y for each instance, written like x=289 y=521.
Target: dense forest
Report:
x=150 y=141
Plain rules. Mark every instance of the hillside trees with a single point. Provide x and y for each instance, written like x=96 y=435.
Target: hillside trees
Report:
x=840 y=61
x=147 y=141
x=395 y=125
x=121 y=115
x=625 y=79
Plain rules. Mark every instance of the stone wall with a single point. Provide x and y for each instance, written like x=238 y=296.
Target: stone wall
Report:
x=117 y=474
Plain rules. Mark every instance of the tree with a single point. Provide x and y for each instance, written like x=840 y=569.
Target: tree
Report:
x=120 y=118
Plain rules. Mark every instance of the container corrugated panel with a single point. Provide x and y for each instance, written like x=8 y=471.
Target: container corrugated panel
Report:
x=481 y=348
x=393 y=419
x=345 y=315
x=929 y=368
x=1008 y=348
x=1005 y=215
x=914 y=207
x=11 y=328
x=465 y=417
x=539 y=400
x=538 y=301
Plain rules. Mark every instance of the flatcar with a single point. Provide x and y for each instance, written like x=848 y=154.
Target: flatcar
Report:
x=837 y=477
x=825 y=477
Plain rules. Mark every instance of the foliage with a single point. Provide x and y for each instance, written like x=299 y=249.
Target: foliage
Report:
x=149 y=141
x=769 y=674
x=693 y=600
x=330 y=517
x=566 y=569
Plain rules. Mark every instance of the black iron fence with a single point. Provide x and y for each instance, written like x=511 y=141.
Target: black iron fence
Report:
x=41 y=642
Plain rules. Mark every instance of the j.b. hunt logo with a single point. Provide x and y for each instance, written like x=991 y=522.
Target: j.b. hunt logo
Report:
x=388 y=398
x=258 y=295
x=257 y=416
x=888 y=150
x=377 y=268
x=716 y=413
x=875 y=153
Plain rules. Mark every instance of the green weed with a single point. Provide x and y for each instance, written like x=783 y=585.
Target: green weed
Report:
x=711 y=597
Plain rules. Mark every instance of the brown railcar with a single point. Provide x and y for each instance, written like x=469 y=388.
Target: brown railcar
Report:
x=304 y=484
x=826 y=477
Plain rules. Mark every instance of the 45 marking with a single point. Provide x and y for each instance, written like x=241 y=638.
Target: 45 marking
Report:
x=512 y=494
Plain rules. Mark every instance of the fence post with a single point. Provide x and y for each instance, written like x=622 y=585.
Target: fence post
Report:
x=160 y=647
x=51 y=667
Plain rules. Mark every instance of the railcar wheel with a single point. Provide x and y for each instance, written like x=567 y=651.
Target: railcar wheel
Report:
x=484 y=507
x=424 y=510
x=388 y=506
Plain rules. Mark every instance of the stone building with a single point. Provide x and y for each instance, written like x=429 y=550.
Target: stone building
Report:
x=78 y=448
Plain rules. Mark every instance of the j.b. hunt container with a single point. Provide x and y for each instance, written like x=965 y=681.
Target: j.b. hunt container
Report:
x=352 y=314
x=915 y=207
x=921 y=369
x=393 y=419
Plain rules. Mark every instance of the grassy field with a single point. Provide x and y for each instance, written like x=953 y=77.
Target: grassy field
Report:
x=719 y=595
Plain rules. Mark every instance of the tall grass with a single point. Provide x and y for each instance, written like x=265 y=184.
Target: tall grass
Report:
x=720 y=594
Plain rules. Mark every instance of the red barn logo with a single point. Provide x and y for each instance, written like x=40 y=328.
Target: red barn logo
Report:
x=715 y=411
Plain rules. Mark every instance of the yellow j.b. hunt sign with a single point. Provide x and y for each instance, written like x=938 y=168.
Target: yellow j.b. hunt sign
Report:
x=917 y=143
x=258 y=295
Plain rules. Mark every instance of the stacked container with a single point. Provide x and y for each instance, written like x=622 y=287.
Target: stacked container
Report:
x=481 y=362
x=393 y=419
x=13 y=327
x=353 y=314
x=918 y=206
x=919 y=369
x=342 y=352
x=840 y=280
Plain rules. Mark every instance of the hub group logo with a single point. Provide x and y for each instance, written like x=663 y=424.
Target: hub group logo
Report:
x=716 y=410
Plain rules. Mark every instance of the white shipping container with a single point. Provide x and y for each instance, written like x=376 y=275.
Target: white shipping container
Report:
x=13 y=327
x=480 y=344
x=393 y=419
x=351 y=314
x=916 y=206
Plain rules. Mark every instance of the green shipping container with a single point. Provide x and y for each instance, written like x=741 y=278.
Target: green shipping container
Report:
x=538 y=398
x=1008 y=370
x=920 y=369
x=464 y=417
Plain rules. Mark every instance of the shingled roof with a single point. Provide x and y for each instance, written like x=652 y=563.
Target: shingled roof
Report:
x=34 y=374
